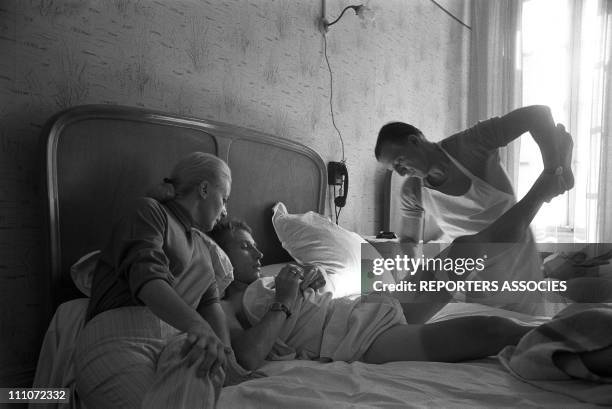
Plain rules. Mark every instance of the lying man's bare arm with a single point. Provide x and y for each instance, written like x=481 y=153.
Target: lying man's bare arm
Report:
x=253 y=344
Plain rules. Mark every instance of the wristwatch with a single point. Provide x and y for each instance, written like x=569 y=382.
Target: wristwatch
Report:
x=279 y=306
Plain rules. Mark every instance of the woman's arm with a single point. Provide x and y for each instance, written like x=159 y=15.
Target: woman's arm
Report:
x=170 y=307
x=252 y=345
x=214 y=315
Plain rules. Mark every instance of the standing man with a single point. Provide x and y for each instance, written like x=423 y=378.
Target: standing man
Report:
x=460 y=184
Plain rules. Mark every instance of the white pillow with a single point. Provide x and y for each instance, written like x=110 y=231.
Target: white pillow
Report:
x=312 y=238
x=82 y=271
x=224 y=271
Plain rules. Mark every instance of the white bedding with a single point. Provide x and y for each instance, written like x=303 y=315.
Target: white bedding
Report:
x=55 y=368
x=476 y=384
x=307 y=384
x=311 y=385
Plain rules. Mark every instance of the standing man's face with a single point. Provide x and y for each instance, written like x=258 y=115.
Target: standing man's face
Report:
x=408 y=159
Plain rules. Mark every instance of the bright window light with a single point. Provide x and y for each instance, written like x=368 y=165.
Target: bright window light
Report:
x=561 y=68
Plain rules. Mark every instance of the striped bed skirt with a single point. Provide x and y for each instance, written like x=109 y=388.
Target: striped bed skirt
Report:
x=128 y=358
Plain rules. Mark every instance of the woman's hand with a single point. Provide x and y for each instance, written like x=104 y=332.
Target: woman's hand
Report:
x=314 y=277
x=287 y=284
x=205 y=349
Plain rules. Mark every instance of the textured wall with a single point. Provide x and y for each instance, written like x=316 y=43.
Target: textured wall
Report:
x=256 y=64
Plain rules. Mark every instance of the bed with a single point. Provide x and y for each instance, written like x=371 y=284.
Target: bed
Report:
x=99 y=158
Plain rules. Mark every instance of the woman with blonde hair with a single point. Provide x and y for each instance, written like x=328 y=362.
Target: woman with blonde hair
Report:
x=154 y=281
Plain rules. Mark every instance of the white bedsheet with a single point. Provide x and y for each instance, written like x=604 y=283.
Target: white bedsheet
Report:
x=312 y=385
x=477 y=384
x=307 y=384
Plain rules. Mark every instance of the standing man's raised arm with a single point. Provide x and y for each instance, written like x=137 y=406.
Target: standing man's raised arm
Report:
x=551 y=138
x=536 y=119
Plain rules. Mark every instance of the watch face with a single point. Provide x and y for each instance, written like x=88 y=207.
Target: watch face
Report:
x=277 y=306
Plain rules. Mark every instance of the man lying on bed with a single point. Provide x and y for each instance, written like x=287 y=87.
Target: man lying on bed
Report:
x=286 y=317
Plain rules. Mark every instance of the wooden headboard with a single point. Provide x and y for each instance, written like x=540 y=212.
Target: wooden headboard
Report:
x=100 y=157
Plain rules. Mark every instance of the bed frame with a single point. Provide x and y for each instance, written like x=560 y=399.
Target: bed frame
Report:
x=100 y=157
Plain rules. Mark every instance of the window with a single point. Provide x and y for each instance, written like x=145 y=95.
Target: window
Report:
x=562 y=62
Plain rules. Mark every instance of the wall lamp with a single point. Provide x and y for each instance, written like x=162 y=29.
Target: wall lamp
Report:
x=363 y=12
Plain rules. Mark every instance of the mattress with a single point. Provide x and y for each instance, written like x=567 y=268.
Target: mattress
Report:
x=307 y=384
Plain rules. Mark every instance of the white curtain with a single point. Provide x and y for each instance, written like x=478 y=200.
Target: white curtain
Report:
x=565 y=64
x=604 y=222
x=556 y=53
x=495 y=81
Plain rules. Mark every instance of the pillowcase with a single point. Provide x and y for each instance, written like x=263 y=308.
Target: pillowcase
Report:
x=312 y=238
x=222 y=266
x=82 y=271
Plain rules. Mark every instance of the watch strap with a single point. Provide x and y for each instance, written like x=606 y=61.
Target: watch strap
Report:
x=279 y=306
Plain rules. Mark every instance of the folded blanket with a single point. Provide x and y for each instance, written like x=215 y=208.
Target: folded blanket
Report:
x=548 y=356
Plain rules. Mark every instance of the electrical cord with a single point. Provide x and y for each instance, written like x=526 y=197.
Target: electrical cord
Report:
x=337 y=209
x=331 y=94
x=331 y=110
x=450 y=14
x=355 y=8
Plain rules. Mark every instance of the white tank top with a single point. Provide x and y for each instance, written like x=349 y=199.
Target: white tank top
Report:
x=470 y=213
